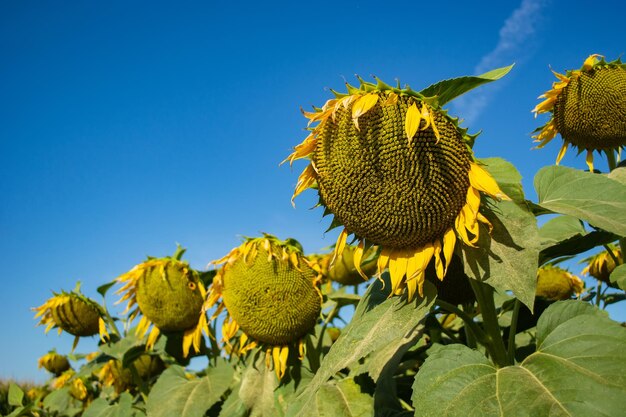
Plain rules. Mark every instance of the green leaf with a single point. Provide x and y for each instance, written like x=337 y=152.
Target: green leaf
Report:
x=102 y=289
x=257 y=389
x=175 y=395
x=16 y=395
x=124 y=408
x=506 y=175
x=377 y=322
x=61 y=402
x=618 y=276
x=447 y=90
x=118 y=349
x=618 y=174
x=579 y=369
x=507 y=258
x=559 y=229
x=594 y=198
x=340 y=399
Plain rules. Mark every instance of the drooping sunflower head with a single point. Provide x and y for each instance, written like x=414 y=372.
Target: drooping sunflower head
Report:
x=269 y=292
x=342 y=270
x=169 y=294
x=554 y=283
x=587 y=107
x=396 y=171
x=114 y=374
x=602 y=264
x=54 y=363
x=73 y=312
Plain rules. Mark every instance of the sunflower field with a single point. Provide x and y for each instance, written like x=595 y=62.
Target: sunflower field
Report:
x=447 y=292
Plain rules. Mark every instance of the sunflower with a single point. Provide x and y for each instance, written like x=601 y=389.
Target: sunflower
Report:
x=269 y=292
x=602 y=264
x=73 y=312
x=396 y=171
x=588 y=108
x=114 y=374
x=343 y=270
x=169 y=295
x=554 y=283
x=54 y=363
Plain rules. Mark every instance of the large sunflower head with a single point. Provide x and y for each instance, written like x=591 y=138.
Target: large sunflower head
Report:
x=554 y=283
x=54 y=363
x=602 y=264
x=73 y=312
x=270 y=293
x=587 y=107
x=396 y=171
x=169 y=295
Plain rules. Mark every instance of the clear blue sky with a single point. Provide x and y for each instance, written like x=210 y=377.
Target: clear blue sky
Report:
x=126 y=127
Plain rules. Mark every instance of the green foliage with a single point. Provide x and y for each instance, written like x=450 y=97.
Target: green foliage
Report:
x=579 y=369
x=447 y=90
x=176 y=395
x=597 y=199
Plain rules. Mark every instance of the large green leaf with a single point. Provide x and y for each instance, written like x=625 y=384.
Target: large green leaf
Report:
x=61 y=402
x=124 y=408
x=618 y=276
x=559 y=229
x=340 y=399
x=506 y=259
x=378 y=321
x=447 y=90
x=175 y=395
x=594 y=198
x=579 y=369
x=506 y=175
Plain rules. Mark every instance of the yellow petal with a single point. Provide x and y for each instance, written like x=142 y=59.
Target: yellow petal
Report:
x=302 y=150
x=305 y=180
x=482 y=181
x=412 y=121
x=544 y=106
x=102 y=330
x=362 y=106
x=561 y=77
x=397 y=269
x=357 y=256
x=589 y=159
x=434 y=126
x=152 y=337
x=546 y=135
x=590 y=61
x=425 y=116
x=339 y=246
x=439 y=269
x=561 y=153
x=383 y=260
x=392 y=98
x=459 y=226
x=449 y=241
x=142 y=327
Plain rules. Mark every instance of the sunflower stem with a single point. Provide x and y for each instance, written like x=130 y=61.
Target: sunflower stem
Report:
x=494 y=342
x=513 y=332
x=598 y=293
x=470 y=325
x=469 y=336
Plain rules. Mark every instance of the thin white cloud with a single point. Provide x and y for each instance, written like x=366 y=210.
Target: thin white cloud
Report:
x=513 y=46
